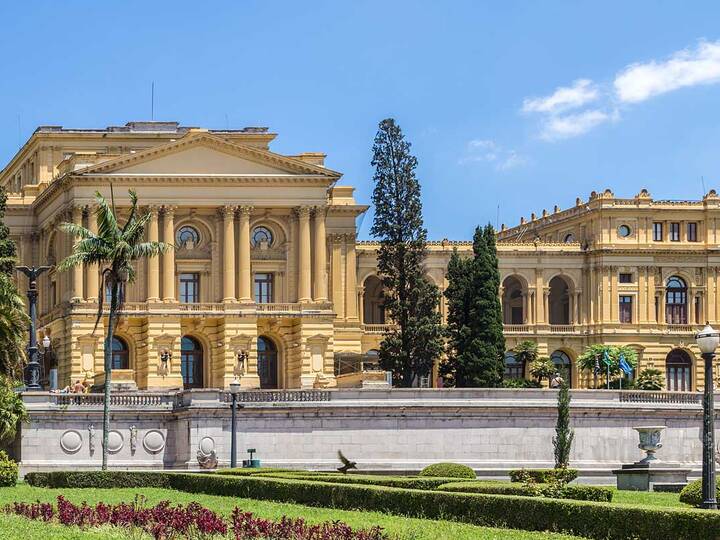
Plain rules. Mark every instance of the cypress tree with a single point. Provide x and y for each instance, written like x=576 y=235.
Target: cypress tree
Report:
x=564 y=435
x=411 y=302
x=7 y=246
x=476 y=345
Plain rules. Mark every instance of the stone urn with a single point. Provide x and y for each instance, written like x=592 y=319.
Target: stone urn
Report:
x=649 y=441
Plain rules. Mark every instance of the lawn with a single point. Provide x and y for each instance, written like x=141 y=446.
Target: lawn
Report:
x=397 y=527
x=648 y=498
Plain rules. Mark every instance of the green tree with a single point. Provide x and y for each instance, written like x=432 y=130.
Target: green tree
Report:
x=12 y=410
x=8 y=250
x=650 y=379
x=114 y=249
x=564 y=435
x=476 y=345
x=13 y=328
x=543 y=368
x=593 y=356
x=411 y=302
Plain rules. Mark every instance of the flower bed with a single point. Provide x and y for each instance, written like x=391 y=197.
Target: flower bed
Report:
x=164 y=522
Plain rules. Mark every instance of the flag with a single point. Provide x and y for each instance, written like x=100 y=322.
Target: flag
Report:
x=606 y=358
x=627 y=368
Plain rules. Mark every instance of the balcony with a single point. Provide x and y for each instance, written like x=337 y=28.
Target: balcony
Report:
x=557 y=329
x=682 y=329
x=211 y=309
x=516 y=328
x=377 y=328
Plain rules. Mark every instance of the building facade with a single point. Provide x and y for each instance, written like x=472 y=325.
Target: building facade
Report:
x=268 y=283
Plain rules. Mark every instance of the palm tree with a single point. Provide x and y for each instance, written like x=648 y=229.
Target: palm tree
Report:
x=114 y=249
x=13 y=326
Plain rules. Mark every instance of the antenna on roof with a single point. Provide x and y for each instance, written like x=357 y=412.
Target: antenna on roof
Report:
x=497 y=218
x=702 y=180
x=152 y=101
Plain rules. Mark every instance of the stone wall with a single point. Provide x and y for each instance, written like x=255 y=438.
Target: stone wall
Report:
x=491 y=430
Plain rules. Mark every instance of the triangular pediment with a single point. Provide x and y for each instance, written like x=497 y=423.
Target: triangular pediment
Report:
x=203 y=154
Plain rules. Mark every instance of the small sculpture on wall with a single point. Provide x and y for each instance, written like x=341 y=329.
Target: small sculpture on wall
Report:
x=242 y=357
x=165 y=357
x=207 y=461
x=91 y=438
x=133 y=438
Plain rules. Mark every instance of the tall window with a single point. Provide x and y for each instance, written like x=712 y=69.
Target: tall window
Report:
x=190 y=288
x=120 y=354
x=658 y=231
x=676 y=301
x=563 y=365
x=264 y=288
x=625 y=277
x=674 y=232
x=626 y=309
x=692 y=231
x=678 y=369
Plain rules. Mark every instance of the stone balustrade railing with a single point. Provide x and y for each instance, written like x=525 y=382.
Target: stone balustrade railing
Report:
x=270 y=396
x=377 y=328
x=122 y=400
x=661 y=397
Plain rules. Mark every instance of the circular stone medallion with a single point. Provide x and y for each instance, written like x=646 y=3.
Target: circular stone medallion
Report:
x=115 y=442
x=71 y=441
x=154 y=441
x=207 y=445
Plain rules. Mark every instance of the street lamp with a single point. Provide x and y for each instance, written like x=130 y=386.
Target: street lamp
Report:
x=707 y=340
x=32 y=370
x=234 y=391
x=47 y=356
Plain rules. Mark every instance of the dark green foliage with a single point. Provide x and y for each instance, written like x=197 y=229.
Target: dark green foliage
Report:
x=589 y=519
x=692 y=493
x=8 y=250
x=519 y=383
x=650 y=379
x=448 y=470
x=410 y=301
x=248 y=471
x=543 y=476
x=476 y=345
x=8 y=470
x=564 y=435
x=407 y=482
x=577 y=492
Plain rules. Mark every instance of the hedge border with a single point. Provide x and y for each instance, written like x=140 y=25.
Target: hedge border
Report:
x=594 y=520
x=576 y=492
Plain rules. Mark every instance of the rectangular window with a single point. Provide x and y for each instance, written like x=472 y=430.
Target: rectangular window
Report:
x=626 y=309
x=190 y=288
x=692 y=231
x=674 y=232
x=53 y=294
x=625 y=277
x=657 y=231
x=264 y=288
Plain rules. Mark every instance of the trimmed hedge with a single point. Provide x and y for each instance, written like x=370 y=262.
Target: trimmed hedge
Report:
x=8 y=470
x=249 y=471
x=448 y=470
x=578 y=492
x=692 y=493
x=590 y=519
x=407 y=482
x=543 y=476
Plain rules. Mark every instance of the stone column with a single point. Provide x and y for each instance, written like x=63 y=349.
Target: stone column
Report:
x=93 y=278
x=320 y=273
x=228 y=258
x=169 y=257
x=153 y=263
x=304 y=270
x=337 y=275
x=576 y=308
x=78 y=294
x=546 y=305
x=351 y=310
x=244 y=251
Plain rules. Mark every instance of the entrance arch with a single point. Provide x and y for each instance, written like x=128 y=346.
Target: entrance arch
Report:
x=373 y=308
x=678 y=371
x=267 y=363
x=559 y=301
x=512 y=301
x=191 y=362
x=563 y=365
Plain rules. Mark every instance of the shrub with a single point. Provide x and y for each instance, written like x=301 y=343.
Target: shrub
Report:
x=581 y=518
x=520 y=383
x=8 y=470
x=448 y=470
x=407 y=482
x=249 y=471
x=576 y=492
x=692 y=493
x=543 y=476
x=650 y=379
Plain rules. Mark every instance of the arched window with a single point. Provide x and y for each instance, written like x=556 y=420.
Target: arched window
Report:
x=373 y=303
x=514 y=367
x=187 y=237
x=678 y=369
x=569 y=238
x=191 y=362
x=262 y=236
x=267 y=363
x=559 y=300
x=563 y=365
x=676 y=301
x=512 y=301
x=120 y=354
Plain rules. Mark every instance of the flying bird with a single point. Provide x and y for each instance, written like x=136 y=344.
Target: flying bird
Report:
x=347 y=464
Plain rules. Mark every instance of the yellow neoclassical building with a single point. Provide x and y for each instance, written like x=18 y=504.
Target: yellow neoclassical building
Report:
x=268 y=283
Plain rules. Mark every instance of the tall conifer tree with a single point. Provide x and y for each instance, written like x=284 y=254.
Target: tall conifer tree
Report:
x=476 y=345
x=411 y=302
x=8 y=249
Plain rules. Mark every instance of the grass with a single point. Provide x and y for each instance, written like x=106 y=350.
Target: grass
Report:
x=648 y=498
x=397 y=527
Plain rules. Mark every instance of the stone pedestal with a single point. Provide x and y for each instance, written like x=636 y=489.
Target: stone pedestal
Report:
x=644 y=476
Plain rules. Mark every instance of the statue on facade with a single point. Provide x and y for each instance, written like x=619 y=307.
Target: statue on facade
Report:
x=207 y=461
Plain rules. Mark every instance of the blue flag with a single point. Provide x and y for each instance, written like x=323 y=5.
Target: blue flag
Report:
x=627 y=368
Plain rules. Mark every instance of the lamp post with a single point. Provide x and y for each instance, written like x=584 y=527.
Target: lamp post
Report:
x=47 y=357
x=707 y=340
x=32 y=370
x=234 y=391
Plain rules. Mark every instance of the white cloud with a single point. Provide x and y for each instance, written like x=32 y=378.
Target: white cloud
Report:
x=564 y=98
x=572 y=125
x=488 y=151
x=638 y=82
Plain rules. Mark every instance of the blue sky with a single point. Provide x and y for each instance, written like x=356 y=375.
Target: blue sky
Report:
x=518 y=104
